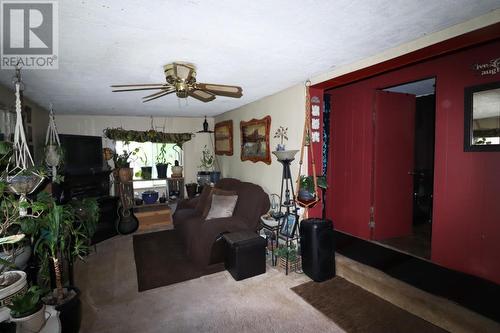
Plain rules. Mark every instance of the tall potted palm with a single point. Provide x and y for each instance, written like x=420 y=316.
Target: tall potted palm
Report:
x=62 y=237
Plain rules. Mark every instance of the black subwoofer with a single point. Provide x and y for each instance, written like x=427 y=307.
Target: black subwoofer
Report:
x=317 y=249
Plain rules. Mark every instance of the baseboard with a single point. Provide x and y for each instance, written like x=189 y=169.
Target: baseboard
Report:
x=436 y=310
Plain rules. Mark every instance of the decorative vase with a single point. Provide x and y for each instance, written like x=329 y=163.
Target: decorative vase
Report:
x=31 y=323
x=149 y=197
x=146 y=172
x=161 y=170
x=280 y=147
x=125 y=174
x=176 y=171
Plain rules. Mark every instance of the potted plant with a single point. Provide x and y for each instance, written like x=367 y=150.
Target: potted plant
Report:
x=294 y=263
x=207 y=162
x=161 y=162
x=28 y=311
x=281 y=133
x=176 y=170
x=306 y=187
x=191 y=189
x=62 y=237
x=146 y=171
x=122 y=163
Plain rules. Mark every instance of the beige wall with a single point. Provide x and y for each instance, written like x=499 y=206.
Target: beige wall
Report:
x=287 y=109
x=39 y=119
x=94 y=125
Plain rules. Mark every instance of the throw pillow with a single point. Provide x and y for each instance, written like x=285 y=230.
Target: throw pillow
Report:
x=216 y=191
x=222 y=206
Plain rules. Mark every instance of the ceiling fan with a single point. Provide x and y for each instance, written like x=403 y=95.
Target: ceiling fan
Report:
x=181 y=79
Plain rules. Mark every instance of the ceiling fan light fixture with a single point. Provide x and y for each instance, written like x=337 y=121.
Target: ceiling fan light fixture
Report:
x=176 y=72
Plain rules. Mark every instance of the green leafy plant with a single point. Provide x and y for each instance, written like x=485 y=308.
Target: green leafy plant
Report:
x=207 y=159
x=28 y=303
x=291 y=250
x=161 y=157
x=122 y=160
x=307 y=183
x=60 y=237
x=144 y=158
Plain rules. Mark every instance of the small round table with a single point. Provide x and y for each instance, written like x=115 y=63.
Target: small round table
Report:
x=271 y=224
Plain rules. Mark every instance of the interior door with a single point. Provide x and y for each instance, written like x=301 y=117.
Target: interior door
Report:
x=392 y=199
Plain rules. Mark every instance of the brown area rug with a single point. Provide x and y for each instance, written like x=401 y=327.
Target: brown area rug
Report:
x=160 y=260
x=357 y=311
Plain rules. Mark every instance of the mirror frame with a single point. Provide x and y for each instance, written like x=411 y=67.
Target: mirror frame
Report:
x=468 y=117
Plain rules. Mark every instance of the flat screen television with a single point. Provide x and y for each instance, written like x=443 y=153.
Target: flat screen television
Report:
x=82 y=153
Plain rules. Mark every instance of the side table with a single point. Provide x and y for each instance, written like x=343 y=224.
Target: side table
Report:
x=271 y=225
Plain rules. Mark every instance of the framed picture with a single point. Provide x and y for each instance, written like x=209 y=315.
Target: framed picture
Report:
x=288 y=224
x=223 y=133
x=255 y=140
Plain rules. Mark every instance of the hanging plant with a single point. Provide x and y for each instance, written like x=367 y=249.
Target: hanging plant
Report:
x=120 y=134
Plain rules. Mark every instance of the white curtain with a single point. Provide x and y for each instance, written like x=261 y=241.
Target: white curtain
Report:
x=7 y=123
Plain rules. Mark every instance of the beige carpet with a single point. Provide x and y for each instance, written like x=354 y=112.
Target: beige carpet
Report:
x=213 y=303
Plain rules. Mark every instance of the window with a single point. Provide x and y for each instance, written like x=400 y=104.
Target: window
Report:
x=147 y=156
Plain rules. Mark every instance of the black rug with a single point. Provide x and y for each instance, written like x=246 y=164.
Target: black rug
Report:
x=357 y=311
x=160 y=260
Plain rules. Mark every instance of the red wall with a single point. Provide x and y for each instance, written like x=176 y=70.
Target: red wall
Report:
x=466 y=225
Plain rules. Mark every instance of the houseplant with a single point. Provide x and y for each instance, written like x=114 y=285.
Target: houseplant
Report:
x=27 y=310
x=281 y=133
x=206 y=166
x=146 y=170
x=61 y=238
x=122 y=163
x=161 y=162
x=294 y=263
x=306 y=188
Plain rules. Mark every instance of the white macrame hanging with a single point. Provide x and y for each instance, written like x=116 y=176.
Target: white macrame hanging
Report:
x=52 y=145
x=20 y=179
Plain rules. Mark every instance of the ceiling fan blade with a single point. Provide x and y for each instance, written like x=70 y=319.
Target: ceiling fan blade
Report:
x=137 y=89
x=201 y=95
x=221 y=90
x=159 y=93
x=164 y=93
x=138 y=85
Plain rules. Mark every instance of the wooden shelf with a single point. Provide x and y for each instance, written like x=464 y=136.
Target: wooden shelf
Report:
x=157 y=204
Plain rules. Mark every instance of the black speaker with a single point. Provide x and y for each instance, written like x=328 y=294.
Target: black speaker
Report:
x=317 y=249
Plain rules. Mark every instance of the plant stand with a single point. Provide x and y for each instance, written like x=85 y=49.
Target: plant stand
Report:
x=290 y=266
x=288 y=218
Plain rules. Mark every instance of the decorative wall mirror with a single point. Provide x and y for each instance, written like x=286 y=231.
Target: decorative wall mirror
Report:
x=482 y=117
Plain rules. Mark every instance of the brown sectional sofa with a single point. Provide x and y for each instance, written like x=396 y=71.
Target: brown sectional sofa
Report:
x=202 y=238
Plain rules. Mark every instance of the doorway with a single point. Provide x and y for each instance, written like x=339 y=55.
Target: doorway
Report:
x=404 y=166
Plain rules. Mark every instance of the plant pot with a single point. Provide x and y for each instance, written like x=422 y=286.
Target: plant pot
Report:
x=146 y=172
x=22 y=256
x=191 y=190
x=149 y=197
x=161 y=169
x=18 y=286
x=176 y=171
x=71 y=313
x=52 y=157
x=203 y=178
x=293 y=266
x=31 y=323
x=305 y=196
x=125 y=174
x=214 y=176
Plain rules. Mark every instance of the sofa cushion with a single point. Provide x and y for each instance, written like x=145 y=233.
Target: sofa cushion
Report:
x=222 y=206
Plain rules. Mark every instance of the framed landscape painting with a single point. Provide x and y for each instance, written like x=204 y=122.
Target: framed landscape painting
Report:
x=223 y=133
x=255 y=140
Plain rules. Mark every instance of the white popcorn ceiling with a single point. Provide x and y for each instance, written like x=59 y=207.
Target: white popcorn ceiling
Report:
x=263 y=46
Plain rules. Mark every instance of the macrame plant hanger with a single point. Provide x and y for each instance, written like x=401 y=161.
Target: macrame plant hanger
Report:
x=52 y=144
x=306 y=142
x=20 y=179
